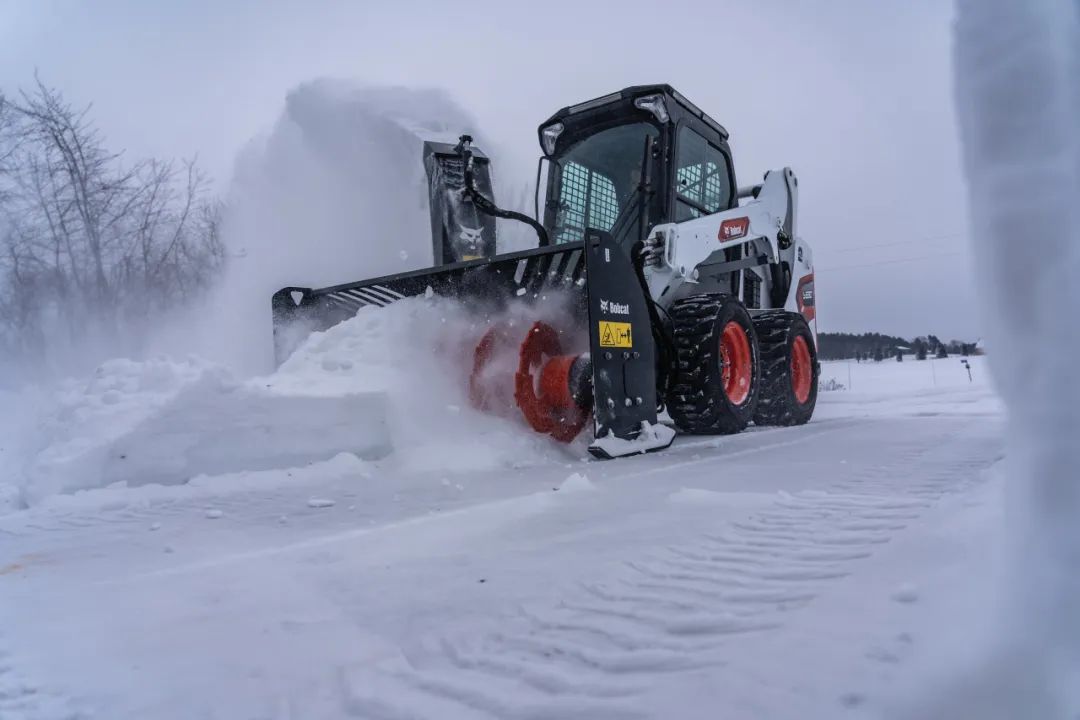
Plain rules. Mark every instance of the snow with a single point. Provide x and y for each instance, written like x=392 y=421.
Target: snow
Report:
x=806 y=567
x=347 y=537
x=575 y=483
x=164 y=422
x=906 y=593
x=912 y=387
x=388 y=384
x=335 y=192
x=1018 y=95
x=652 y=437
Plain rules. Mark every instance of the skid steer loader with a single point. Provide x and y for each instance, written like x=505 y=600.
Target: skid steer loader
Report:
x=679 y=290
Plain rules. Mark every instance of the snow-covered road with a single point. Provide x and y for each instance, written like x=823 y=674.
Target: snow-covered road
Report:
x=776 y=572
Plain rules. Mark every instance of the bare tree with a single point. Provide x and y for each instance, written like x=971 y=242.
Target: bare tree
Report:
x=88 y=243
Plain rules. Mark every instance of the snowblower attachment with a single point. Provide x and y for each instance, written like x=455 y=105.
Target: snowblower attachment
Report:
x=614 y=383
x=459 y=230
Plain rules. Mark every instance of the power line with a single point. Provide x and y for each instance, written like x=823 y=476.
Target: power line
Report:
x=889 y=262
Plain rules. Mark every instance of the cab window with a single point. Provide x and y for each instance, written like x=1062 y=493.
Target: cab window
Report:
x=702 y=183
x=596 y=179
x=587 y=199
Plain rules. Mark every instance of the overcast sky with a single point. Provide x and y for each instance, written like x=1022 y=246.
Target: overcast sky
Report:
x=854 y=95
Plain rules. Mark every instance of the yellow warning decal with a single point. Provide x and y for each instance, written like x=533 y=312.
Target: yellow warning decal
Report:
x=615 y=334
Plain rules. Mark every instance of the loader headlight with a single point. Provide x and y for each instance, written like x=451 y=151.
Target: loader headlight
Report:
x=549 y=136
x=654 y=104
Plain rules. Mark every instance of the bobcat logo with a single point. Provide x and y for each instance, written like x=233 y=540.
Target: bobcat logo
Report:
x=472 y=238
x=614 y=308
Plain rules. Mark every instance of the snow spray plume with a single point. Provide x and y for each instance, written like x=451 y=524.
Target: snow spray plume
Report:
x=1018 y=99
x=336 y=193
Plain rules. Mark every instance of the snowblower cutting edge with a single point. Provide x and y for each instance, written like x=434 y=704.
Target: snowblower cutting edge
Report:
x=697 y=295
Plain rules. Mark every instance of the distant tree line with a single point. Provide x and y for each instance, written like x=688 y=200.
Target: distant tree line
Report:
x=92 y=245
x=877 y=347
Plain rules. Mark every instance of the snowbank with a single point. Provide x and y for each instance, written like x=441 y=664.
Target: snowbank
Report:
x=164 y=422
x=389 y=383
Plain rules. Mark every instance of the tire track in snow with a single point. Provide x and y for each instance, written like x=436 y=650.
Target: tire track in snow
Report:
x=679 y=608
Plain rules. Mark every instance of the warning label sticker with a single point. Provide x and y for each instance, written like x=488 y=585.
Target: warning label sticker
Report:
x=615 y=334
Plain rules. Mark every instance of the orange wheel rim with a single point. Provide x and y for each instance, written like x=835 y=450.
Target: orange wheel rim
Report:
x=802 y=376
x=736 y=363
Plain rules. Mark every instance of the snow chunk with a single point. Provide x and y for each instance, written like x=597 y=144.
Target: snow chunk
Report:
x=213 y=514
x=576 y=483
x=906 y=594
x=316 y=502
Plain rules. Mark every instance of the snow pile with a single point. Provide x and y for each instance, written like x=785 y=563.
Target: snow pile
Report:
x=576 y=483
x=162 y=421
x=1018 y=100
x=390 y=383
x=84 y=417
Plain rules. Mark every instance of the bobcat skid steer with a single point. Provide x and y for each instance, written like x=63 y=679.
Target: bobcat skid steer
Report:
x=678 y=289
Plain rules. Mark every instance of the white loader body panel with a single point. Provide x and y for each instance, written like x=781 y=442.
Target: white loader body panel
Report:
x=766 y=223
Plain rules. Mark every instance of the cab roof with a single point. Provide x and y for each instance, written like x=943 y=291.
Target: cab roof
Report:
x=633 y=92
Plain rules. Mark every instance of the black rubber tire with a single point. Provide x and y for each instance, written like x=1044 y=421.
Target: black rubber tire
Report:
x=777 y=403
x=697 y=401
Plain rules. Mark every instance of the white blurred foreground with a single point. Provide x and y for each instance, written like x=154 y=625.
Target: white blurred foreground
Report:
x=1018 y=101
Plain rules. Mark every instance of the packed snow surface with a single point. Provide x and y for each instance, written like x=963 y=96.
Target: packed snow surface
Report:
x=780 y=568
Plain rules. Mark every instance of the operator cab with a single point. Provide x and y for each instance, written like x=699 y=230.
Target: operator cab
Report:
x=630 y=160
